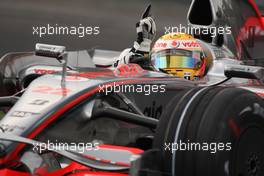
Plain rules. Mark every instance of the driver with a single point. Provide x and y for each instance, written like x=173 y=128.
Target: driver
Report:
x=177 y=54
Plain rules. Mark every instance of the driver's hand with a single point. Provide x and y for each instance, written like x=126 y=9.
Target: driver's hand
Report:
x=146 y=31
x=127 y=56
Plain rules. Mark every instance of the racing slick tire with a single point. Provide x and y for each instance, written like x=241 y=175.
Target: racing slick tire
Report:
x=212 y=131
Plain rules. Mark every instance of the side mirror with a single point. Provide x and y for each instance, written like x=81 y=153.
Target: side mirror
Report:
x=49 y=50
x=54 y=51
x=244 y=71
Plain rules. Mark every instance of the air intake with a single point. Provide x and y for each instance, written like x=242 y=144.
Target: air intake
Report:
x=201 y=13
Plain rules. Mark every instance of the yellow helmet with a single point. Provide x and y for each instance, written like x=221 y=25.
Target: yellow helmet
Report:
x=180 y=55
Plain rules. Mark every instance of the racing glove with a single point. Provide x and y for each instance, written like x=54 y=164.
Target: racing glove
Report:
x=146 y=30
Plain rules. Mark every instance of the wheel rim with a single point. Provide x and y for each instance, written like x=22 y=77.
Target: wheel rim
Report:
x=249 y=159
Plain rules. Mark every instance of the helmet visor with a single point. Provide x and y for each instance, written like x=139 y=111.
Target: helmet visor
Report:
x=176 y=59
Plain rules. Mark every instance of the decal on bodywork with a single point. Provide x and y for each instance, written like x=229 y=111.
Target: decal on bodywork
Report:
x=22 y=114
x=42 y=69
x=41 y=95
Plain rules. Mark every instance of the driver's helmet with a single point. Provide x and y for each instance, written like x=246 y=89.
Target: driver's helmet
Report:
x=180 y=55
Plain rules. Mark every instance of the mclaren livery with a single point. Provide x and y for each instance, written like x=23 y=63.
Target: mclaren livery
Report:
x=71 y=113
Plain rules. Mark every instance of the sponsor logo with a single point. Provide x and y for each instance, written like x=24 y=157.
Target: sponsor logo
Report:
x=192 y=44
x=39 y=102
x=128 y=70
x=175 y=44
x=160 y=45
x=45 y=89
x=10 y=128
x=22 y=114
x=44 y=71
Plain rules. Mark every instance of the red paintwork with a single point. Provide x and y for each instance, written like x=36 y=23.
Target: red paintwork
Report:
x=132 y=150
x=8 y=172
x=14 y=155
x=261 y=94
x=128 y=70
x=85 y=171
x=50 y=90
x=257 y=21
x=98 y=174
x=73 y=169
x=254 y=5
x=94 y=74
x=81 y=171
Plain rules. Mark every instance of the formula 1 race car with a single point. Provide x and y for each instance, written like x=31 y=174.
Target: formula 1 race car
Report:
x=71 y=113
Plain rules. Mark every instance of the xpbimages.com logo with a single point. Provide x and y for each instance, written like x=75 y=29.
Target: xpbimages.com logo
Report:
x=147 y=89
x=79 y=31
x=74 y=147
x=211 y=147
x=193 y=30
